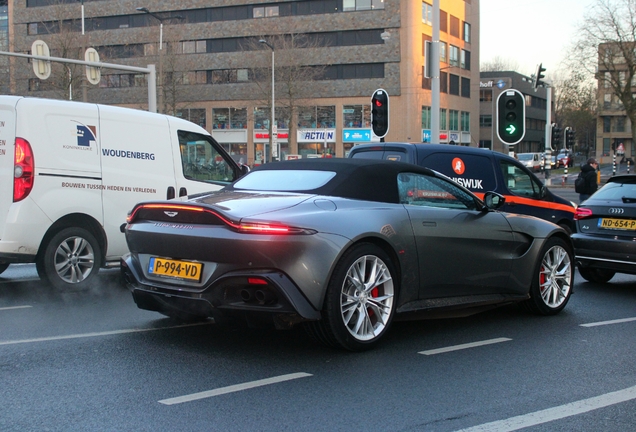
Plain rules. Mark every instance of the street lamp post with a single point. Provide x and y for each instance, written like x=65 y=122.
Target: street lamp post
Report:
x=161 y=20
x=272 y=128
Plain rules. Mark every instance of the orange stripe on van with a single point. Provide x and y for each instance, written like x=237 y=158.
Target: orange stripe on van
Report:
x=512 y=199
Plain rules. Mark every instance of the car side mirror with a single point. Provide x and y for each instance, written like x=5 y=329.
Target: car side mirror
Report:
x=493 y=200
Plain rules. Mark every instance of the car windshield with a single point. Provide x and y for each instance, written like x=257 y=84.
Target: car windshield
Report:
x=616 y=191
x=284 y=180
x=525 y=156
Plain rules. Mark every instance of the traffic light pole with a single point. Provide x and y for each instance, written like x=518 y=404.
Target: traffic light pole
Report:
x=548 y=135
x=435 y=83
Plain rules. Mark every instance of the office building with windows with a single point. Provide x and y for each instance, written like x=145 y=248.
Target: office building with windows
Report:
x=215 y=58
x=491 y=85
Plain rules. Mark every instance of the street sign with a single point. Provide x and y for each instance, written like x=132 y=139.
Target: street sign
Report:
x=42 y=68
x=93 y=74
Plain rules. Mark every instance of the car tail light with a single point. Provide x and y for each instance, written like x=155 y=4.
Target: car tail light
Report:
x=582 y=213
x=23 y=170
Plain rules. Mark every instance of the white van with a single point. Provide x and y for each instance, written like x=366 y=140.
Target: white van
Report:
x=71 y=171
x=532 y=161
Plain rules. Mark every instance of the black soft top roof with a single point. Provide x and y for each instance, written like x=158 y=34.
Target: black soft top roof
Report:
x=362 y=179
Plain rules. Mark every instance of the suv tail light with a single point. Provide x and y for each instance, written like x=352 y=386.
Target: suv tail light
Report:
x=23 y=170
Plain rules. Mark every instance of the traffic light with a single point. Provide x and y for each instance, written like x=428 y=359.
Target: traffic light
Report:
x=556 y=136
x=511 y=116
x=538 y=77
x=380 y=113
x=569 y=137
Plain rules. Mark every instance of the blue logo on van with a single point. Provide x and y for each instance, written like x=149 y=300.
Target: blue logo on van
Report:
x=85 y=135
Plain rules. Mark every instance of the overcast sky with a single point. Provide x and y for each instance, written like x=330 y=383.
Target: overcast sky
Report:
x=529 y=32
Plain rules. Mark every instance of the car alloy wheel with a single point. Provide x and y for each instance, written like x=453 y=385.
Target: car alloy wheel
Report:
x=71 y=259
x=367 y=298
x=552 y=284
x=360 y=300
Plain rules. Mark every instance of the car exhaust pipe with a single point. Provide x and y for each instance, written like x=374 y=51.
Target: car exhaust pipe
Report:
x=265 y=297
x=247 y=295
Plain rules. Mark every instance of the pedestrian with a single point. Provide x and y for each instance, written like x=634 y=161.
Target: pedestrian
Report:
x=588 y=185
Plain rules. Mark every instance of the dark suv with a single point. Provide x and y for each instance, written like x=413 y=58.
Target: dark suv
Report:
x=481 y=170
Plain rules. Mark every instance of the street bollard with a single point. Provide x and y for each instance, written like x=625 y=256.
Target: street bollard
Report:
x=627 y=166
x=614 y=165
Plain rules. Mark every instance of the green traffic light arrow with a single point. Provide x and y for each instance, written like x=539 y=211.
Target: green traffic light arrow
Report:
x=511 y=129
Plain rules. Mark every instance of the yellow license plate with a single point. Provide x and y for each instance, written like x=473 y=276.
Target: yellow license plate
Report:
x=175 y=268
x=622 y=224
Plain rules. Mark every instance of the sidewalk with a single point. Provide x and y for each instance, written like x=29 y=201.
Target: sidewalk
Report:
x=559 y=179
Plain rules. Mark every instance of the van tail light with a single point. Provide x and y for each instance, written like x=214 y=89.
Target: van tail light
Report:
x=582 y=213
x=23 y=170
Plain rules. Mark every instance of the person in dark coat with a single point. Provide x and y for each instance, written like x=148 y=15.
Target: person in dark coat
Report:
x=588 y=172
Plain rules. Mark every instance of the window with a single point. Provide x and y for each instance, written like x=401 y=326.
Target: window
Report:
x=201 y=160
x=326 y=116
x=454 y=26
x=485 y=95
x=442 y=118
x=442 y=52
x=443 y=21
x=258 y=12
x=453 y=120
x=620 y=124
x=466 y=35
x=195 y=115
x=519 y=182
x=428 y=191
x=607 y=100
x=465 y=60
x=238 y=118
x=220 y=118
x=356 y=116
x=607 y=124
x=354 y=5
x=426 y=117
x=485 y=121
x=466 y=121
x=453 y=84
x=443 y=82
x=454 y=56
x=427 y=13
x=271 y=11
x=465 y=87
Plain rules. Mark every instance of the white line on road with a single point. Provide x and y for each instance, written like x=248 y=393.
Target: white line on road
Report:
x=600 y=323
x=14 y=307
x=233 y=388
x=556 y=413
x=87 y=335
x=464 y=346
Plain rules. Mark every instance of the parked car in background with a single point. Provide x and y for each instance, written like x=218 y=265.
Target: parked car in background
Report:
x=564 y=158
x=606 y=228
x=342 y=246
x=532 y=161
x=480 y=170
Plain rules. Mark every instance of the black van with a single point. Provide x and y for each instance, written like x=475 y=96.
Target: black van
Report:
x=480 y=170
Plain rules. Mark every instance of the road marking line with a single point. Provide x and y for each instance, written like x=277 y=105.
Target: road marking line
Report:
x=464 y=346
x=87 y=335
x=556 y=413
x=15 y=307
x=233 y=388
x=600 y=323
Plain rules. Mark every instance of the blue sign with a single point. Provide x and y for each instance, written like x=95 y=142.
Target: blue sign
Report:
x=356 y=135
x=426 y=135
x=85 y=136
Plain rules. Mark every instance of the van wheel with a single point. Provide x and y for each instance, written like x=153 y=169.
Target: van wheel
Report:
x=3 y=267
x=70 y=260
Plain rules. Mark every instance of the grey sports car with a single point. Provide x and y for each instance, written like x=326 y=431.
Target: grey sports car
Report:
x=342 y=246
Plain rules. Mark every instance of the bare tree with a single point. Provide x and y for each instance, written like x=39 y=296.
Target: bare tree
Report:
x=606 y=47
x=576 y=106
x=295 y=70
x=499 y=64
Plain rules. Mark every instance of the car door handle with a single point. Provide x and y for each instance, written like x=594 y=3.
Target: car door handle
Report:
x=429 y=223
x=170 y=193
x=183 y=192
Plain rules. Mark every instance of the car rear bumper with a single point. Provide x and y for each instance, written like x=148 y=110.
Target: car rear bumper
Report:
x=263 y=292
x=605 y=253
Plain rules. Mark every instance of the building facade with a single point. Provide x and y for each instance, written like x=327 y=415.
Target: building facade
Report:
x=491 y=85
x=212 y=67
